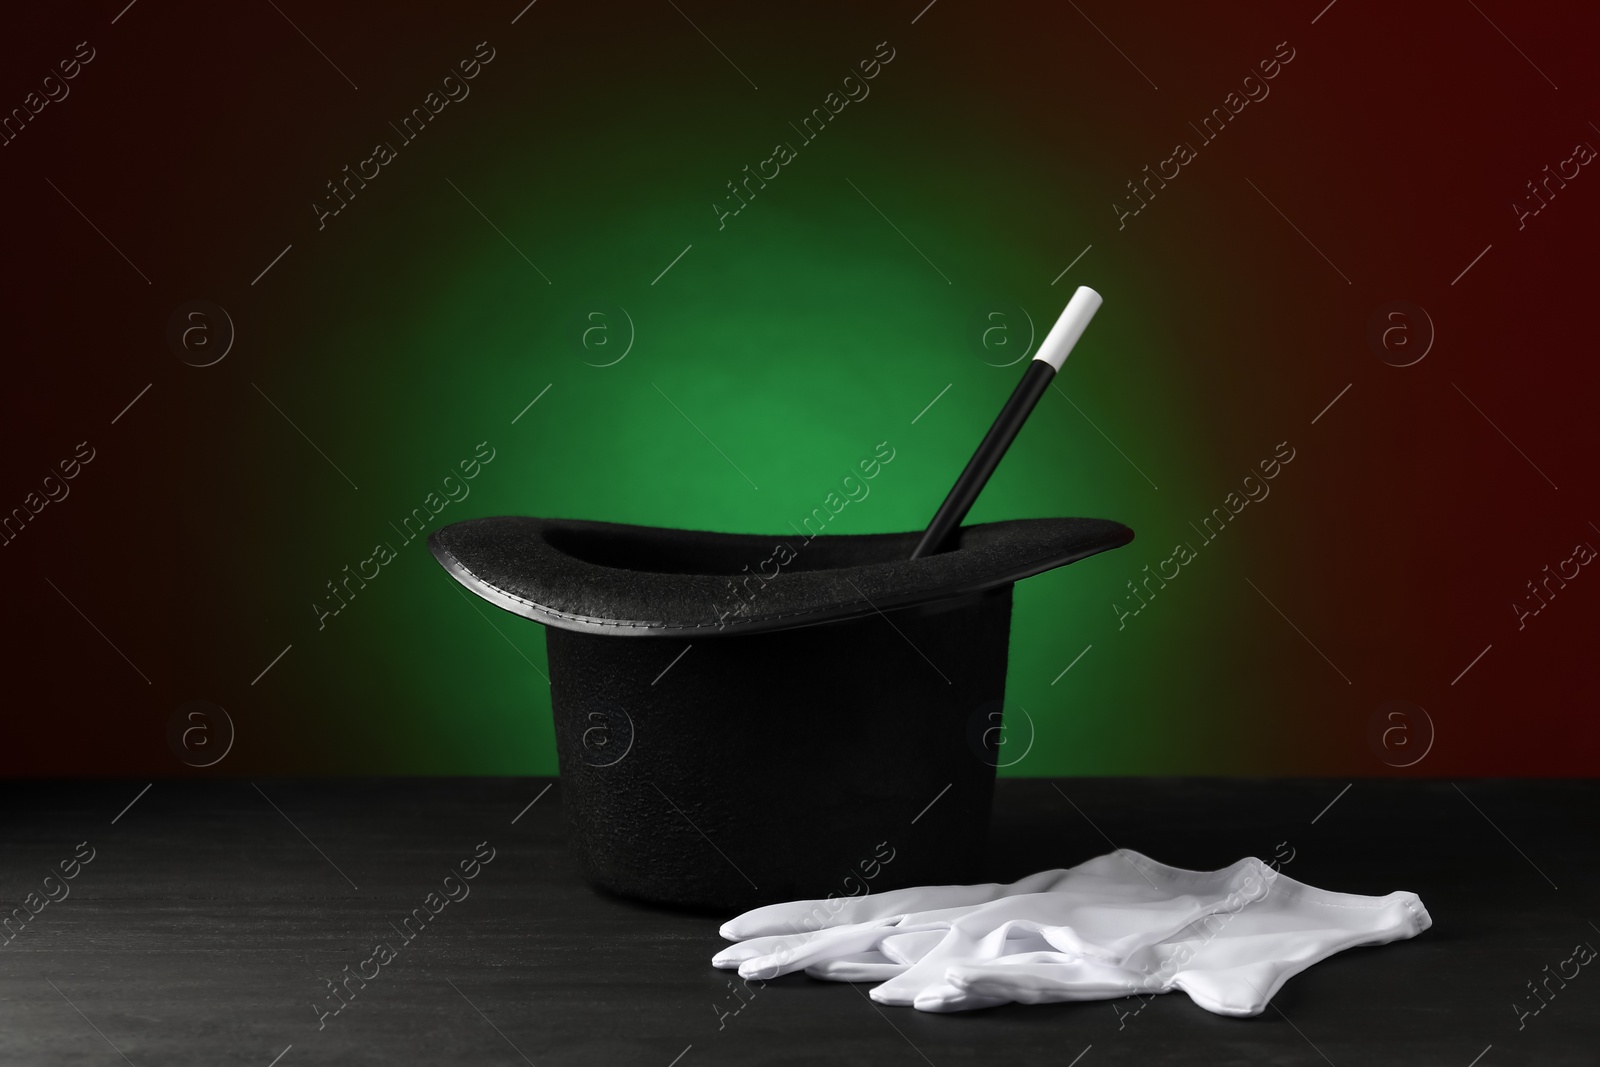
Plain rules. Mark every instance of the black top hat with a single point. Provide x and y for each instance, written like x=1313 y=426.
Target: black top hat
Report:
x=803 y=710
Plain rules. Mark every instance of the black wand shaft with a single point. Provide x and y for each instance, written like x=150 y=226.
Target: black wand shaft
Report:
x=945 y=529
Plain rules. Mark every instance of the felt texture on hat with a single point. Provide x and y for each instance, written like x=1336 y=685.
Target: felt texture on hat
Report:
x=600 y=577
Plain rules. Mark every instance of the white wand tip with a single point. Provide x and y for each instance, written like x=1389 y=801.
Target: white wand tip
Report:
x=1069 y=327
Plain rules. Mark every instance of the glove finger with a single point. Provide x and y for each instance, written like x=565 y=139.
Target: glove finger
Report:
x=734 y=955
x=848 y=911
x=947 y=997
x=1043 y=982
x=796 y=953
x=856 y=967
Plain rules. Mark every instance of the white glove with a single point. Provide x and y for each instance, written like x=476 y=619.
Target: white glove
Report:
x=1102 y=909
x=1117 y=925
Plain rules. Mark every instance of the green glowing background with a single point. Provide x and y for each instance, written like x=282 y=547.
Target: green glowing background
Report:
x=795 y=337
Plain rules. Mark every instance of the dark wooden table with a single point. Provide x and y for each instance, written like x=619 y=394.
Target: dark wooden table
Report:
x=204 y=926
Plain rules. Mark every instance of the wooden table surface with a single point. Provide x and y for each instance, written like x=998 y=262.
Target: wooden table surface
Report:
x=203 y=926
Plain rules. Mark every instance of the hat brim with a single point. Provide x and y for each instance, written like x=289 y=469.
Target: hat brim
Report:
x=601 y=577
